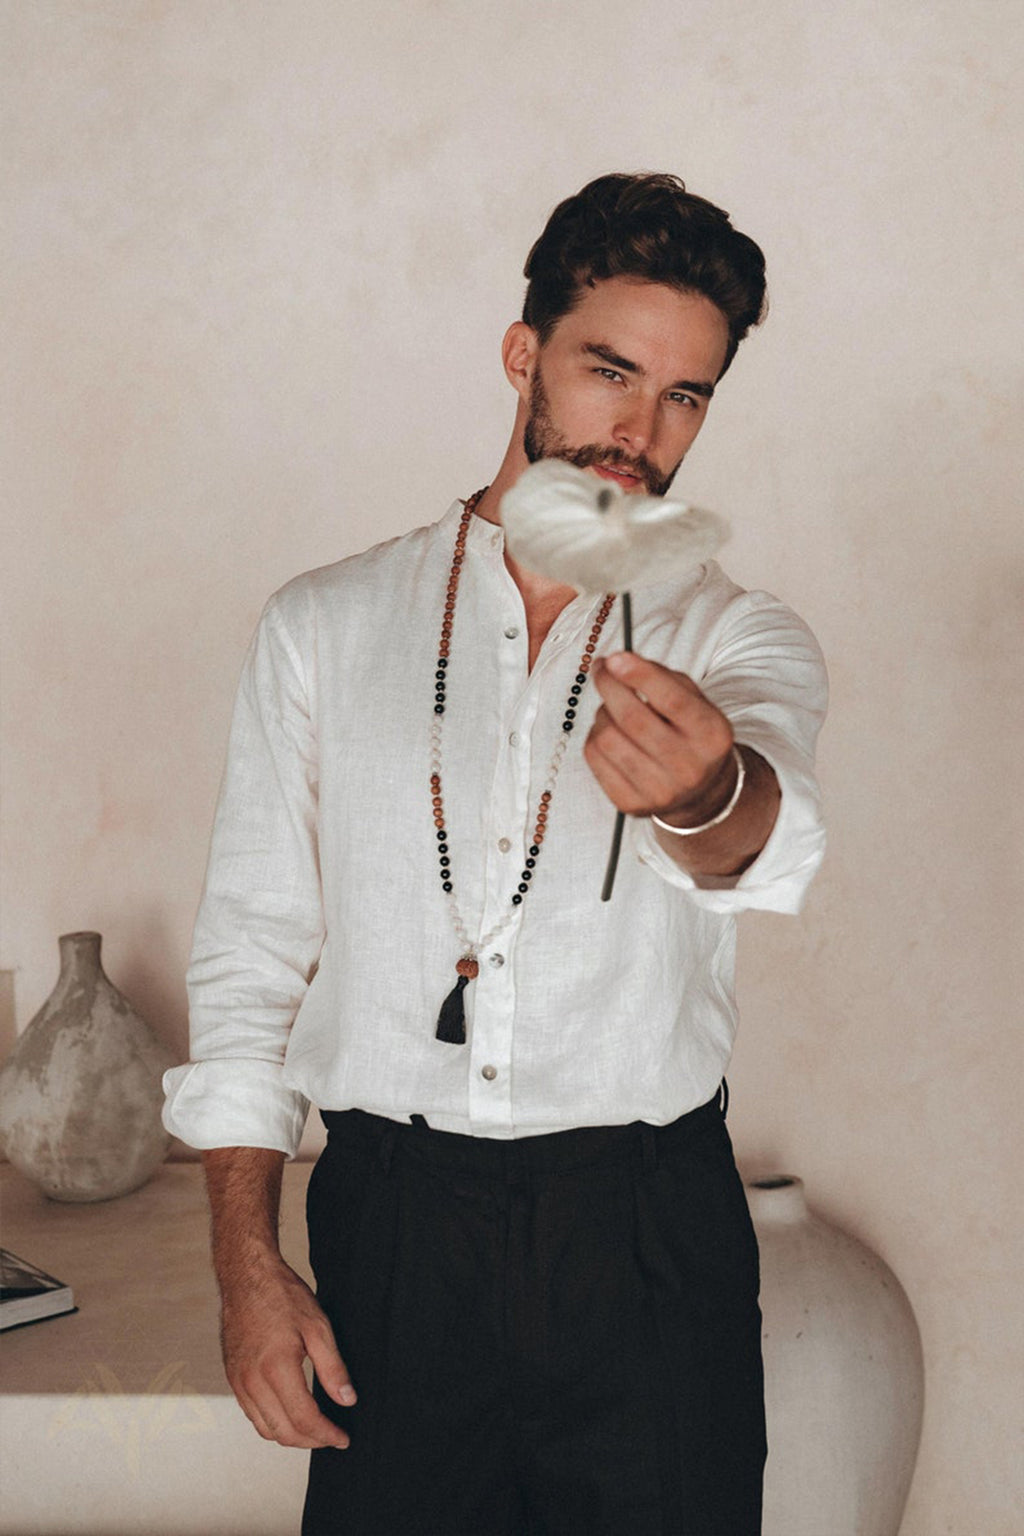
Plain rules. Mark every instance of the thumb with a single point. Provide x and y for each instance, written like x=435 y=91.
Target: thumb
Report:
x=331 y=1370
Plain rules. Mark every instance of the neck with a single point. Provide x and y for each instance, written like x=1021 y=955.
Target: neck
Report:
x=543 y=598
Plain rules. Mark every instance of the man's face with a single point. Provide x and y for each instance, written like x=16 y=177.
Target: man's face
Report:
x=623 y=384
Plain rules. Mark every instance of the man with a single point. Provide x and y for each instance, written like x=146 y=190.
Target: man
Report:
x=536 y=1277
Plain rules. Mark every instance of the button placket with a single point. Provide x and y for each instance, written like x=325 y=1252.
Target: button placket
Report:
x=506 y=814
x=508 y=819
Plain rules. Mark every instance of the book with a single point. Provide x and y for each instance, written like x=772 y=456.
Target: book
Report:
x=28 y=1294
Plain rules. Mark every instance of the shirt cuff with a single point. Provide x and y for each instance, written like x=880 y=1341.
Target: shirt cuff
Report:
x=233 y=1102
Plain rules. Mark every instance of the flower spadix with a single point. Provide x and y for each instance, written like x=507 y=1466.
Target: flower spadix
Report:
x=576 y=527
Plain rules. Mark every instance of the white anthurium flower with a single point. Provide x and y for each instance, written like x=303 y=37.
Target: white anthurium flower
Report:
x=575 y=527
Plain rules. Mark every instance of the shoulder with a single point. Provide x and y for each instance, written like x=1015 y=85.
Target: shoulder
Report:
x=708 y=624
x=360 y=582
x=709 y=602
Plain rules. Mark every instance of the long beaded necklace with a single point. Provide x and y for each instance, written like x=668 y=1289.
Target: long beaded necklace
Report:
x=451 y=1023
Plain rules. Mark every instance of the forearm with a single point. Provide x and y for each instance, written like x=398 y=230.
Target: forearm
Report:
x=244 y=1189
x=729 y=848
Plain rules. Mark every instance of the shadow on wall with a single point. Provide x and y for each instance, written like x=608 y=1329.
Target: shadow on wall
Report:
x=150 y=976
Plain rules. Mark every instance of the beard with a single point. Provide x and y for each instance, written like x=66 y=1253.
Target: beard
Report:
x=542 y=440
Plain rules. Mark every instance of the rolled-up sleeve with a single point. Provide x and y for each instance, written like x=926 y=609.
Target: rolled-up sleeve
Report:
x=260 y=927
x=766 y=673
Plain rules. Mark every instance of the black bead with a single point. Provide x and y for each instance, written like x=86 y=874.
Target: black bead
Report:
x=442 y=835
x=566 y=724
x=534 y=849
x=523 y=890
x=570 y=714
x=527 y=874
x=446 y=885
x=442 y=661
x=438 y=709
x=581 y=678
x=445 y=861
x=531 y=863
x=517 y=900
x=575 y=690
x=442 y=847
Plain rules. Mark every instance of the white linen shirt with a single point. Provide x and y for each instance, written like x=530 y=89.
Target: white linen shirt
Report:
x=324 y=946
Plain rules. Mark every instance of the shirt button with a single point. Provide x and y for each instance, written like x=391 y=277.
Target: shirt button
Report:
x=512 y=633
x=489 y=1073
x=513 y=739
x=503 y=845
x=497 y=961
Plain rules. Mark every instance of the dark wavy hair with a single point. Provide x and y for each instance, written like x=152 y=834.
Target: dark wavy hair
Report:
x=644 y=226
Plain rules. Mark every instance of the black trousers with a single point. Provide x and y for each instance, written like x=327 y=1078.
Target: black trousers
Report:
x=549 y=1336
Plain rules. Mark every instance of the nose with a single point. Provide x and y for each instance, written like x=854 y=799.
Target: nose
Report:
x=635 y=426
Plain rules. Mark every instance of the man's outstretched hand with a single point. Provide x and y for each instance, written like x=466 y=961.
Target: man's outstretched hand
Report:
x=659 y=746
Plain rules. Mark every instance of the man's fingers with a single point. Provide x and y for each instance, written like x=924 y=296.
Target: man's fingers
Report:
x=665 y=691
x=282 y=1409
x=611 y=748
x=302 y=1421
x=656 y=741
x=665 y=714
x=331 y=1370
x=619 y=785
x=638 y=720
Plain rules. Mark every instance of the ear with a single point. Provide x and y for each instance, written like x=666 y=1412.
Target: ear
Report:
x=519 y=352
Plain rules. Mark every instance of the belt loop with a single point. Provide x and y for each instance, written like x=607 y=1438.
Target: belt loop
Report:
x=650 y=1146
x=723 y=1098
x=386 y=1148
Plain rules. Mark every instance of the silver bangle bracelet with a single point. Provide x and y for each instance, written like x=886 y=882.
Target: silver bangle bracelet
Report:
x=727 y=810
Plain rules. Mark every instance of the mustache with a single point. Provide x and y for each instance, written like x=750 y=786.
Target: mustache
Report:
x=616 y=458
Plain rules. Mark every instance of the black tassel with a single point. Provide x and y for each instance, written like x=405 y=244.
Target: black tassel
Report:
x=451 y=1021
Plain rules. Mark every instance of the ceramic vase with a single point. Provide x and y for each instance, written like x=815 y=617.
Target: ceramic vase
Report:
x=80 y=1094
x=844 y=1377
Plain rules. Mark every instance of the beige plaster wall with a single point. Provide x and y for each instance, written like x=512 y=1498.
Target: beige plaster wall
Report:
x=258 y=258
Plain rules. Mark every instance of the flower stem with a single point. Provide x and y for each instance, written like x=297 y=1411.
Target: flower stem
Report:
x=620 y=818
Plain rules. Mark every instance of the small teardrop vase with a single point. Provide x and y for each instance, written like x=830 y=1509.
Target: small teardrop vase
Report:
x=80 y=1094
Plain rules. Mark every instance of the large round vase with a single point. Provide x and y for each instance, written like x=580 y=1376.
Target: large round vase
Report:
x=80 y=1094
x=844 y=1377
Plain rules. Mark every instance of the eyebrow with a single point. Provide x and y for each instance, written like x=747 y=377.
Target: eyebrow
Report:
x=609 y=355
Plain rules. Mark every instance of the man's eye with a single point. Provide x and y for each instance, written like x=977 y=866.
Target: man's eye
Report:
x=609 y=373
x=678 y=399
